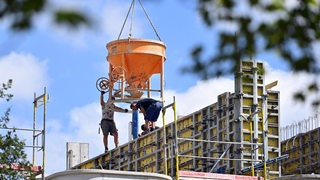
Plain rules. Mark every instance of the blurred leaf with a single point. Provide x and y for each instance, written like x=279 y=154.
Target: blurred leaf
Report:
x=71 y=18
x=21 y=11
x=254 y=2
x=316 y=104
x=313 y=87
x=299 y=96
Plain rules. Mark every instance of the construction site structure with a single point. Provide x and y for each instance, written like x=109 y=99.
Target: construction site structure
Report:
x=238 y=134
x=302 y=143
x=38 y=139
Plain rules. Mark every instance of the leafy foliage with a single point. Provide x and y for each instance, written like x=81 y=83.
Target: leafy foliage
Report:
x=290 y=31
x=22 y=12
x=12 y=152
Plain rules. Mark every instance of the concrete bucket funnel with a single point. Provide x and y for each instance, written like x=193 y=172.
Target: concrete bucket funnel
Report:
x=133 y=62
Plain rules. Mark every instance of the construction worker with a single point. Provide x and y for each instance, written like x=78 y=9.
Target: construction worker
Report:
x=151 y=110
x=107 y=123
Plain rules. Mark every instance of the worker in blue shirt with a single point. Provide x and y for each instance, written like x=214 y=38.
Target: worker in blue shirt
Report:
x=151 y=110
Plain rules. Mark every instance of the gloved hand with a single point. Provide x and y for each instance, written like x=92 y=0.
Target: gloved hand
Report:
x=126 y=110
x=103 y=92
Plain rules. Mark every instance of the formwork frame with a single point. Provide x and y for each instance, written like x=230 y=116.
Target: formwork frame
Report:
x=218 y=138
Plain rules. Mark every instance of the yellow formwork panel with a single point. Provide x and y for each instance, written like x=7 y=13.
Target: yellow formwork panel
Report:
x=273 y=155
x=246 y=125
x=148 y=160
x=198 y=117
x=260 y=68
x=305 y=138
x=148 y=150
x=314 y=135
x=272 y=176
x=273 y=130
x=260 y=91
x=247 y=79
x=290 y=145
x=293 y=165
x=295 y=153
x=222 y=124
x=115 y=153
x=182 y=124
x=307 y=161
x=260 y=127
x=186 y=167
x=124 y=148
x=273 y=104
x=273 y=111
x=247 y=64
x=185 y=146
x=247 y=101
x=314 y=146
x=260 y=102
x=222 y=99
x=169 y=130
x=199 y=128
x=273 y=120
x=106 y=157
x=273 y=96
x=185 y=134
x=199 y=151
x=88 y=165
x=147 y=140
x=246 y=137
x=247 y=149
x=246 y=89
x=214 y=131
x=183 y=160
x=273 y=142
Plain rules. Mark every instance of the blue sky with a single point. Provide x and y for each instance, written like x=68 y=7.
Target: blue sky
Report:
x=68 y=63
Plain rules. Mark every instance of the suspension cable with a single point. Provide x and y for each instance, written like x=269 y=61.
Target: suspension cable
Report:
x=145 y=12
x=131 y=24
x=132 y=3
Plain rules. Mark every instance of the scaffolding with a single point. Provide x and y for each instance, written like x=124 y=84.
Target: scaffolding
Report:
x=37 y=133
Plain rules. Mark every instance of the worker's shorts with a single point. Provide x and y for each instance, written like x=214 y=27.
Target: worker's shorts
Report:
x=108 y=126
x=153 y=112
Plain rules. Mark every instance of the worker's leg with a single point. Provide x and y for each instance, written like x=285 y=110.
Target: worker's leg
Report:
x=116 y=139
x=114 y=133
x=153 y=124
x=147 y=125
x=105 y=142
x=154 y=114
x=105 y=131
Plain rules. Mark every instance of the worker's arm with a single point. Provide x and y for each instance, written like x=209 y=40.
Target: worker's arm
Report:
x=121 y=109
x=102 y=103
x=143 y=111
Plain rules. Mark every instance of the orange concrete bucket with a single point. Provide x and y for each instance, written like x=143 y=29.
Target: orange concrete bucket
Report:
x=139 y=59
